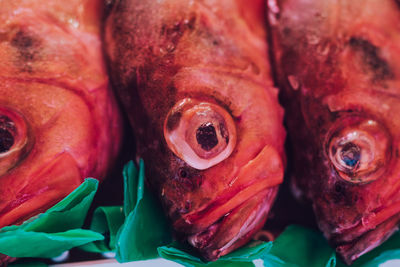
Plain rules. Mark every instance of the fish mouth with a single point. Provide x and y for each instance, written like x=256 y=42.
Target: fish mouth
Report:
x=44 y=188
x=369 y=233
x=234 y=228
x=231 y=219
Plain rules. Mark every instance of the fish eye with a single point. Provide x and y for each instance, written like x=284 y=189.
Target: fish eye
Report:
x=358 y=149
x=13 y=138
x=201 y=133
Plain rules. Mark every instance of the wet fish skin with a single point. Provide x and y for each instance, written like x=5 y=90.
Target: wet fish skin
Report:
x=172 y=61
x=59 y=122
x=337 y=62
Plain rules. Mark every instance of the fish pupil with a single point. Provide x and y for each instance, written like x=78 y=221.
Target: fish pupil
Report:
x=206 y=136
x=351 y=155
x=7 y=128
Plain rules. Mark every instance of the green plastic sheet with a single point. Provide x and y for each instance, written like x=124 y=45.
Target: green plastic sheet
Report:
x=135 y=230
x=299 y=246
x=241 y=257
x=55 y=231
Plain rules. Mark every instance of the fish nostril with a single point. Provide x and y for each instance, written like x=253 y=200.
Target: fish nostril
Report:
x=183 y=173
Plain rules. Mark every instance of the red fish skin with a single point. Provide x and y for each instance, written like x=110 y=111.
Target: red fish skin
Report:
x=162 y=52
x=55 y=89
x=337 y=63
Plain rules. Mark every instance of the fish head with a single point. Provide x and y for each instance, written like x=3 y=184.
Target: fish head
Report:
x=205 y=113
x=225 y=165
x=219 y=159
x=56 y=110
x=339 y=64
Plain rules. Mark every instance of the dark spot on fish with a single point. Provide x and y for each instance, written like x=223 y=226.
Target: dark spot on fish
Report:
x=341 y=193
x=206 y=136
x=339 y=188
x=215 y=42
x=397 y=153
x=7 y=132
x=398 y=3
x=286 y=31
x=183 y=173
x=371 y=58
x=173 y=120
x=27 y=47
x=238 y=119
x=189 y=178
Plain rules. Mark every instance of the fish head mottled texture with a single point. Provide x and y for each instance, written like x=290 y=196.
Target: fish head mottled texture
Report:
x=196 y=85
x=338 y=62
x=59 y=122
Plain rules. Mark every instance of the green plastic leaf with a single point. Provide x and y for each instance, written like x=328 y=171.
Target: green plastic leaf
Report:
x=145 y=228
x=241 y=257
x=131 y=186
x=297 y=247
x=106 y=221
x=55 y=231
x=136 y=229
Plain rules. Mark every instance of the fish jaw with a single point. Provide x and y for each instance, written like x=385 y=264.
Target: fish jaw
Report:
x=350 y=251
x=60 y=176
x=235 y=228
x=238 y=212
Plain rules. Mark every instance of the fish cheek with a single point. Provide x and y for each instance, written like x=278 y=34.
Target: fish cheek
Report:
x=182 y=180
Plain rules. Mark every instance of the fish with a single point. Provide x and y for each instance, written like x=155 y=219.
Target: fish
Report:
x=195 y=81
x=59 y=120
x=337 y=65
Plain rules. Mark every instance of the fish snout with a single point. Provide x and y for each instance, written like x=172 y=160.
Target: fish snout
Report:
x=235 y=228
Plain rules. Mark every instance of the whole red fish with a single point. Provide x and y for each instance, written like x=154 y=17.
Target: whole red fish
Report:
x=195 y=81
x=338 y=62
x=59 y=122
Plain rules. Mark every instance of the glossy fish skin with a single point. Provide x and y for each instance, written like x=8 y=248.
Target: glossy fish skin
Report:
x=59 y=122
x=172 y=60
x=337 y=62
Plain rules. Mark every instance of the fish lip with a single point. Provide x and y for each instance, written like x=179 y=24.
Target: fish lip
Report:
x=204 y=240
x=269 y=179
x=350 y=248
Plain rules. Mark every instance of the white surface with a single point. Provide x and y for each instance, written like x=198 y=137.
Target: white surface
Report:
x=392 y=263
x=165 y=263
x=148 y=263
x=114 y=263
